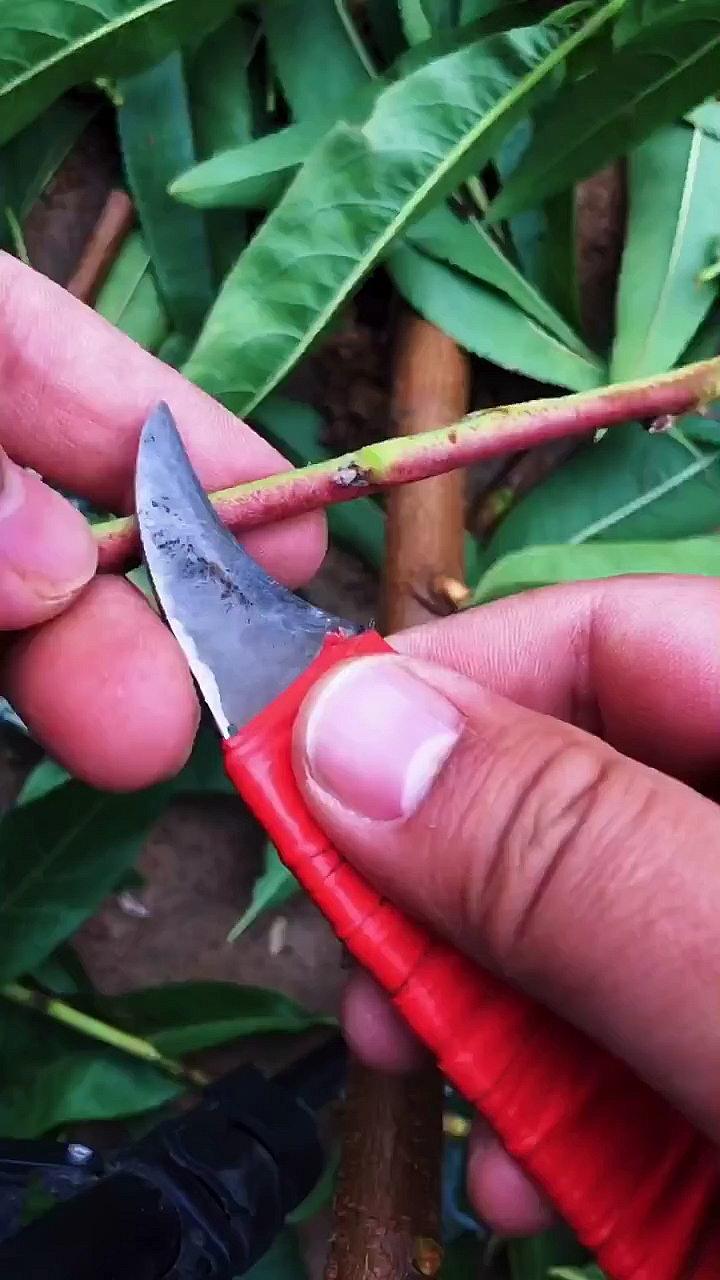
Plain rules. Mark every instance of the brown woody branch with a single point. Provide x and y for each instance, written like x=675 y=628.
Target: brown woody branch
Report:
x=113 y=225
x=387 y=1208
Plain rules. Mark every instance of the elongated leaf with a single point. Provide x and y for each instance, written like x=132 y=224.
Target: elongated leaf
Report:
x=674 y=196
x=321 y=1194
x=707 y=118
x=31 y=159
x=63 y=974
x=542 y=566
x=255 y=176
x=60 y=856
x=50 y=45
x=528 y=231
x=386 y=28
x=271 y=890
x=486 y=323
x=463 y=1257
x=475 y=251
x=530 y=1258
x=283 y=1260
x=669 y=67
x=129 y=298
x=222 y=117
x=561 y=279
x=317 y=62
x=415 y=21
x=183 y=1017
x=50 y=1077
x=157 y=143
x=45 y=777
x=629 y=487
x=640 y=13
x=355 y=196
x=591 y=1272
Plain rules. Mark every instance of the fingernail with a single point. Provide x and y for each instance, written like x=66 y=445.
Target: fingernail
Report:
x=377 y=737
x=42 y=539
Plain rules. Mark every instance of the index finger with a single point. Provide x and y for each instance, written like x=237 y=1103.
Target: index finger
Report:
x=75 y=393
x=635 y=660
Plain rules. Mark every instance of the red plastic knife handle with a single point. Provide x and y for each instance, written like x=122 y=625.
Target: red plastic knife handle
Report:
x=636 y=1182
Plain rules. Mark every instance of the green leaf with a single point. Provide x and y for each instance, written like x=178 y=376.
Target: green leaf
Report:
x=528 y=232
x=222 y=116
x=60 y=856
x=51 y=1077
x=629 y=487
x=674 y=194
x=463 y=1258
x=321 y=1194
x=544 y=565
x=707 y=118
x=45 y=777
x=416 y=24
x=184 y=1017
x=530 y=1258
x=295 y=429
x=50 y=45
x=386 y=28
x=657 y=76
x=256 y=175
x=317 y=62
x=577 y=1273
x=157 y=143
x=640 y=13
x=355 y=195
x=129 y=298
x=474 y=250
x=271 y=890
x=31 y=159
x=561 y=275
x=63 y=973
x=487 y=324
x=283 y=1260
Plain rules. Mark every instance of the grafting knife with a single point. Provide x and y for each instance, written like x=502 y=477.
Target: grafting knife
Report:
x=637 y=1183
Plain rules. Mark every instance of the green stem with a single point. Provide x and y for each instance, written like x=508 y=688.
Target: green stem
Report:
x=86 y=1025
x=405 y=459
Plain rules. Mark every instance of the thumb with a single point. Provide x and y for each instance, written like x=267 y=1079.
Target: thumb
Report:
x=585 y=878
x=47 y=551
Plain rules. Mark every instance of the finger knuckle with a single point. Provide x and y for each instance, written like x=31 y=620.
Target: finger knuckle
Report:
x=552 y=802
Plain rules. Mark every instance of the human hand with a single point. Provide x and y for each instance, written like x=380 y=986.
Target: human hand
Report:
x=540 y=798
x=91 y=669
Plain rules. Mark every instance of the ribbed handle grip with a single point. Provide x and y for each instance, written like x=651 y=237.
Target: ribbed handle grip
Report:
x=630 y=1175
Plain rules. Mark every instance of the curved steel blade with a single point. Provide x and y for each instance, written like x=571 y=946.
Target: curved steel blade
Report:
x=245 y=637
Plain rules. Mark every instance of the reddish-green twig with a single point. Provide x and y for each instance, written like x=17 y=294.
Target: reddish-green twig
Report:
x=401 y=460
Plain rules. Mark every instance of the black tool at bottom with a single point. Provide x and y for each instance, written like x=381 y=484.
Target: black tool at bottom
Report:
x=201 y=1197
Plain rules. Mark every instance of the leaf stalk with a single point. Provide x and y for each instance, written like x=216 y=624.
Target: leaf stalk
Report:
x=86 y=1025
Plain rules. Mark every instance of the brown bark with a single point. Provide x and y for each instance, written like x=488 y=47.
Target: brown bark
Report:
x=425 y=520
x=103 y=246
x=387 y=1206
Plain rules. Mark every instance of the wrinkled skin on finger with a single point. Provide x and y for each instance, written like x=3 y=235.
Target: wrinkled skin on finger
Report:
x=635 y=662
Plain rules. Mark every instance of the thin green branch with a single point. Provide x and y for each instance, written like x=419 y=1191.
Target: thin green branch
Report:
x=135 y=1046
x=404 y=459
